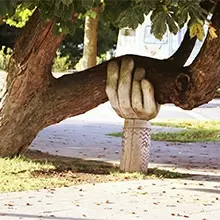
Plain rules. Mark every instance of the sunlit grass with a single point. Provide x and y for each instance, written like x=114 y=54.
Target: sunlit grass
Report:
x=18 y=174
x=193 y=131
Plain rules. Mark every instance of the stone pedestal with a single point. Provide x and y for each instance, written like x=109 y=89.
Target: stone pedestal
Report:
x=135 y=146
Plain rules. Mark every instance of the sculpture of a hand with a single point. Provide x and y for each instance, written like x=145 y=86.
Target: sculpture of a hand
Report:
x=130 y=94
x=132 y=97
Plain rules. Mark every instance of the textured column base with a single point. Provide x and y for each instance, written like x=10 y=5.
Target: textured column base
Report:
x=135 y=145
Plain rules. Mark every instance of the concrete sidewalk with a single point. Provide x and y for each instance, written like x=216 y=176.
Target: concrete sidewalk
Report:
x=144 y=200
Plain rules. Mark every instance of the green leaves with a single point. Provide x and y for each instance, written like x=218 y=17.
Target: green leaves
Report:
x=162 y=19
x=20 y=17
x=130 y=18
x=158 y=19
x=67 y=2
x=134 y=12
x=196 y=30
x=87 y=4
x=166 y=15
x=173 y=28
x=7 y=7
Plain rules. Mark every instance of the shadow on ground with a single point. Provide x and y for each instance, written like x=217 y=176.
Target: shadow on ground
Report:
x=72 y=166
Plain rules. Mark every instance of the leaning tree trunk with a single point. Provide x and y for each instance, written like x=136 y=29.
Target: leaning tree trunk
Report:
x=33 y=99
x=28 y=77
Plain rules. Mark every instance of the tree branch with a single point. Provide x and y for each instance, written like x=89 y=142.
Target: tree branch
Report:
x=79 y=92
x=204 y=72
x=179 y=58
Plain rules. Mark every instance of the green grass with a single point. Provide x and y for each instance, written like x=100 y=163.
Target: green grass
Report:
x=194 y=131
x=39 y=170
x=19 y=174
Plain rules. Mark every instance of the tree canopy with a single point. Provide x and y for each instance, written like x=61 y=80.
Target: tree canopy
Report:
x=165 y=14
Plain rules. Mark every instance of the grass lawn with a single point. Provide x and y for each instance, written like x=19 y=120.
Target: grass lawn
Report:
x=40 y=170
x=194 y=131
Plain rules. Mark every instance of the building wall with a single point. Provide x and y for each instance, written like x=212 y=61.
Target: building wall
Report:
x=141 y=42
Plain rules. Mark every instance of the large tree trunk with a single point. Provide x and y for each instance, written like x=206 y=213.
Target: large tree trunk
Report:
x=33 y=99
x=28 y=77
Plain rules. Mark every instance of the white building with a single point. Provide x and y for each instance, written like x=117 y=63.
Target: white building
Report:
x=141 y=42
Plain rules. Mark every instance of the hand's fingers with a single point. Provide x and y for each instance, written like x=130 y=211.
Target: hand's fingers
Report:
x=112 y=86
x=124 y=87
x=136 y=97
x=151 y=107
x=139 y=74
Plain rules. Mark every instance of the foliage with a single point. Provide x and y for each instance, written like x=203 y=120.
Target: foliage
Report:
x=5 y=54
x=99 y=59
x=20 y=17
x=73 y=45
x=165 y=14
x=61 y=63
x=194 y=131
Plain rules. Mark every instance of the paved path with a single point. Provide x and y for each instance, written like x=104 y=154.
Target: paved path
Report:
x=144 y=200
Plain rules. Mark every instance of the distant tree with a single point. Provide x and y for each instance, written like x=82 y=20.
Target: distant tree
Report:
x=73 y=44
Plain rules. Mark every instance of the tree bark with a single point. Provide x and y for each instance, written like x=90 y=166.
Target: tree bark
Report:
x=32 y=99
x=28 y=76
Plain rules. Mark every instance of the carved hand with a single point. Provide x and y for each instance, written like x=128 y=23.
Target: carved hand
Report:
x=130 y=94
